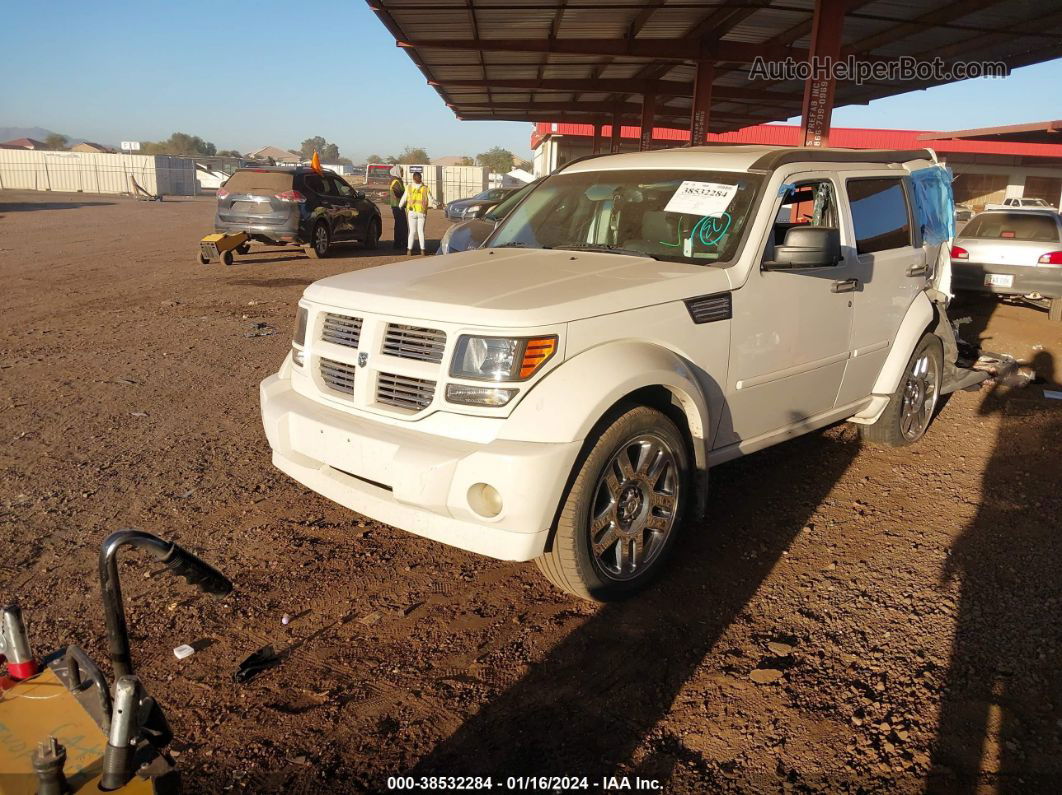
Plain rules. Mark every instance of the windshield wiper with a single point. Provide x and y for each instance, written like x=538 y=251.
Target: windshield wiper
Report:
x=512 y=244
x=606 y=248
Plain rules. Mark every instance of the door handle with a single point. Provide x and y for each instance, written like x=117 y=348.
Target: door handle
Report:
x=918 y=270
x=846 y=286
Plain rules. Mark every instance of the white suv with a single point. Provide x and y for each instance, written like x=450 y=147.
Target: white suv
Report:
x=560 y=394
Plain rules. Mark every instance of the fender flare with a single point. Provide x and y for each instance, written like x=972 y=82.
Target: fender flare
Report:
x=920 y=317
x=562 y=409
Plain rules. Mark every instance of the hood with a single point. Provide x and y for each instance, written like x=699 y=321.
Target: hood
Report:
x=516 y=287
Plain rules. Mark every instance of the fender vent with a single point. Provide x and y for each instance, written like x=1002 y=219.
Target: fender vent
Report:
x=710 y=308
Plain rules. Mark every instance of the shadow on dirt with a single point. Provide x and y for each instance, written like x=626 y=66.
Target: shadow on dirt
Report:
x=22 y=207
x=1001 y=712
x=598 y=694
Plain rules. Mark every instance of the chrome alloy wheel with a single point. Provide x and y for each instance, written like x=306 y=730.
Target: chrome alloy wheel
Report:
x=920 y=392
x=634 y=507
x=320 y=239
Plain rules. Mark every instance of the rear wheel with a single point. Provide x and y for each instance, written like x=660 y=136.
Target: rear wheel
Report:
x=202 y=258
x=243 y=248
x=226 y=257
x=911 y=406
x=620 y=518
x=1054 y=311
x=320 y=241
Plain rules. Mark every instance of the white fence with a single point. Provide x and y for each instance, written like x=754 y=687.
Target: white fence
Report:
x=93 y=172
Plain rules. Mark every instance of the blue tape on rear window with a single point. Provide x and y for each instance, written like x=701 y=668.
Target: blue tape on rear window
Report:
x=785 y=187
x=934 y=203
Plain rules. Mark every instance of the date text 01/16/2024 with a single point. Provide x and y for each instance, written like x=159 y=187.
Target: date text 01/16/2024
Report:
x=522 y=784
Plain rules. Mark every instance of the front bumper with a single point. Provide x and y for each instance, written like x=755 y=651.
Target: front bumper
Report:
x=1043 y=279
x=418 y=481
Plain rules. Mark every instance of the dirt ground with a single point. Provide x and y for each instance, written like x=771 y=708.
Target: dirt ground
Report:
x=911 y=596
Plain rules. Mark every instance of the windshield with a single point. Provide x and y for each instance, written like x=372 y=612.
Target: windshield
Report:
x=1013 y=226
x=505 y=207
x=680 y=216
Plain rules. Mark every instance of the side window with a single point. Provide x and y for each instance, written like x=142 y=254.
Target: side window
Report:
x=314 y=183
x=810 y=203
x=880 y=214
x=341 y=187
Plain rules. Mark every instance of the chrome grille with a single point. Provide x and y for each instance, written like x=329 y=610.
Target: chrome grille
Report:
x=341 y=330
x=413 y=342
x=404 y=392
x=338 y=375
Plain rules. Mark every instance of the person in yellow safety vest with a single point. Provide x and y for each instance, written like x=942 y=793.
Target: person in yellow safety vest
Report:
x=416 y=200
x=394 y=196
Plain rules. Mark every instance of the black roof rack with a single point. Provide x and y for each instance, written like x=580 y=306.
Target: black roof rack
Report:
x=812 y=154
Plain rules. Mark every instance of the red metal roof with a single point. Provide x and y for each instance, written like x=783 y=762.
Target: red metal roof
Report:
x=789 y=135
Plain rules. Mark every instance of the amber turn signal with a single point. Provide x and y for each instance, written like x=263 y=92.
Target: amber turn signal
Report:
x=537 y=352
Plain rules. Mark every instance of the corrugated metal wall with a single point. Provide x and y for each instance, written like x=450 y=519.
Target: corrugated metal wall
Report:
x=96 y=172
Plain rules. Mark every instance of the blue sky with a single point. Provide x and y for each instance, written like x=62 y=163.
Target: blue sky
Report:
x=136 y=71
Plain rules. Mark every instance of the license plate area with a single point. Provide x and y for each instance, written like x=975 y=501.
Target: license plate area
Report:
x=999 y=280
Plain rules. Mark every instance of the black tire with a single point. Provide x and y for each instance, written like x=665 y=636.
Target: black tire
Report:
x=372 y=239
x=320 y=241
x=202 y=258
x=226 y=257
x=913 y=404
x=570 y=562
x=1054 y=311
x=243 y=249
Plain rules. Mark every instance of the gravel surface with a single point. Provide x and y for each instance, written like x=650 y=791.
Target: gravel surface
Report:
x=847 y=618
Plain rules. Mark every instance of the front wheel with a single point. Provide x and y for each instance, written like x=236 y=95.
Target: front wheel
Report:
x=911 y=406
x=320 y=242
x=372 y=237
x=622 y=513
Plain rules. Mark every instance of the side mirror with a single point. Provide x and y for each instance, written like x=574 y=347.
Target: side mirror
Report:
x=807 y=247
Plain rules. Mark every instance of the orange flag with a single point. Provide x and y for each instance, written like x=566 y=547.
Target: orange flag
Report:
x=315 y=162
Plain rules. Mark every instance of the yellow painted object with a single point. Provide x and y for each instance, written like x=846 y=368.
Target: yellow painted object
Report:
x=215 y=246
x=35 y=709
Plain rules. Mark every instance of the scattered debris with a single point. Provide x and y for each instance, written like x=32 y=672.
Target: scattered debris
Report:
x=139 y=413
x=285 y=619
x=183 y=651
x=781 y=649
x=371 y=618
x=261 y=330
x=262 y=659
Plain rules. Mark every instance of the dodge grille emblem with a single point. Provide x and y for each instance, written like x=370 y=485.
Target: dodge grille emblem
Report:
x=363 y=359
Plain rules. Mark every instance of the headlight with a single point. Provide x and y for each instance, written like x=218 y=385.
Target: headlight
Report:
x=501 y=358
x=444 y=244
x=299 y=338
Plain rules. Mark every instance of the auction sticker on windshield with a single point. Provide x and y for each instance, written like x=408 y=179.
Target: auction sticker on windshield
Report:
x=701 y=198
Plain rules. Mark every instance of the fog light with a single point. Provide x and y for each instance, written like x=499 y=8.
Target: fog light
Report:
x=478 y=395
x=485 y=500
x=298 y=356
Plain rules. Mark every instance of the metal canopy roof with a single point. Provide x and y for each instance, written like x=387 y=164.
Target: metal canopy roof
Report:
x=1042 y=132
x=582 y=60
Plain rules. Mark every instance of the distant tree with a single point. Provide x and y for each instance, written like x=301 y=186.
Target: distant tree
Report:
x=379 y=159
x=55 y=142
x=466 y=161
x=229 y=153
x=496 y=159
x=524 y=165
x=412 y=154
x=343 y=161
x=329 y=153
x=181 y=144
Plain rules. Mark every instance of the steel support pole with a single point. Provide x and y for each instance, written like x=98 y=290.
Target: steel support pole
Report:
x=645 y=142
x=817 y=109
x=614 y=140
x=702 y=102
x=597 y=137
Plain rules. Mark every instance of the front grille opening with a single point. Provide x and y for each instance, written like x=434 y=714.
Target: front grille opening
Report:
x=383 y=486
x=404 y=392
x=338 y=375
x=414 y=342
x=341 y=330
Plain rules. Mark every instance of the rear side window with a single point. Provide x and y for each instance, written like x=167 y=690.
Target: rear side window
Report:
x=1013 y=226
x=314 y=183
x=259 y=183
x=879 y=214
